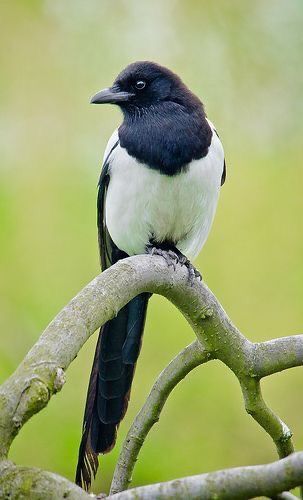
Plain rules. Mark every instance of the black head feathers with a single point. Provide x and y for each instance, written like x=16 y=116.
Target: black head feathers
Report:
x=164 y=124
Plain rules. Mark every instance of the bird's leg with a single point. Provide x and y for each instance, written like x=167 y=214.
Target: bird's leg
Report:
x=173 y=257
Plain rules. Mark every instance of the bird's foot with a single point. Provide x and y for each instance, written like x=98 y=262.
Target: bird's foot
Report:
x=174 y=257
x=193 y=273
x=170 y=257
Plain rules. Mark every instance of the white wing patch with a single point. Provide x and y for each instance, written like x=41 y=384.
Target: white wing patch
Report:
x=112 y=141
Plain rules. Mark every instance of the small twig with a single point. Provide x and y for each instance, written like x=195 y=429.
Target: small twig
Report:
x=192 y=356
x=273 y=425
x=279 y=354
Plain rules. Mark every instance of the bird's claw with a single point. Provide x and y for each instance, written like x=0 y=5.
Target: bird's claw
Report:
x=193 y=273
x=169 y=256
x=173 y=258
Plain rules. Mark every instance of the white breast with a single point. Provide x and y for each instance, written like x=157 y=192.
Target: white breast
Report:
x=141 y=203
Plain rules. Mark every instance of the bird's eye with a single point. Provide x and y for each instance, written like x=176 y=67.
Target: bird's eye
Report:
x=140 y=84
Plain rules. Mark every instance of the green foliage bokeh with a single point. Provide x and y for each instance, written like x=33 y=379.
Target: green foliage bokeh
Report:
x=244 y=59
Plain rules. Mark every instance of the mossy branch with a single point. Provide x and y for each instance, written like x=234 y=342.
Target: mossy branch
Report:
x=42 y=373
x=18 y=483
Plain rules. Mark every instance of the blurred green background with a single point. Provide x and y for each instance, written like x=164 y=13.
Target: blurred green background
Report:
x=244 y=59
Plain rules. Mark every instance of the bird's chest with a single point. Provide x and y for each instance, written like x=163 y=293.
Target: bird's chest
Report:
x=142 y=204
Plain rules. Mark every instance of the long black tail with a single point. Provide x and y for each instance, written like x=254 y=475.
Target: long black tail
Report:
x=109 y=387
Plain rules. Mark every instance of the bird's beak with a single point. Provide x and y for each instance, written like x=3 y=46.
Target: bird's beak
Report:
x=110 y=96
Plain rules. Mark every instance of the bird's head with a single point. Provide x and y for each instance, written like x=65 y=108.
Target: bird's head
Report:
x=145 y=84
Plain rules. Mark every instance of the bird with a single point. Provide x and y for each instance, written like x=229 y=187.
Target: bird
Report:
x=162 y=171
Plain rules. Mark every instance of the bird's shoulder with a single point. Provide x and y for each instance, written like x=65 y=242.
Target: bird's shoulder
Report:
x=218 y=146
x=216 y=141
x=112 y=144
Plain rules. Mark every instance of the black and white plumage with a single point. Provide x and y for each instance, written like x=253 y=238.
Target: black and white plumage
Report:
x=158 y=189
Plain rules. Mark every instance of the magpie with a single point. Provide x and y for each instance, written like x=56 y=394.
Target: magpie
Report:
x=157 y=193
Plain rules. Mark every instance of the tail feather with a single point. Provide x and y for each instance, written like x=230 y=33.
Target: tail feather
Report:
x=104 y=435
x=110 y=382
x=113 y=334
x=132 y=345
x=88 y=459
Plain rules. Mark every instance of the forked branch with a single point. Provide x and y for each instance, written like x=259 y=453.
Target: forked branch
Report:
x=42 y=373
x=192 y=356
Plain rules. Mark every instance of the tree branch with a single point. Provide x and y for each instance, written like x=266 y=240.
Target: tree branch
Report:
x=271 y=423
x=192 y=356
x=279 y=354
x=42 y=373
x=32 y=483
x=229 y=484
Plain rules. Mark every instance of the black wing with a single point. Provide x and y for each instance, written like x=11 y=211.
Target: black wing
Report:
x=88 y=458
x=109 y=252
x=223 y=178
x=223 y=174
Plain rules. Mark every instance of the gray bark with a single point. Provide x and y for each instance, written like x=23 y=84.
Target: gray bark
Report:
x=42 y=373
